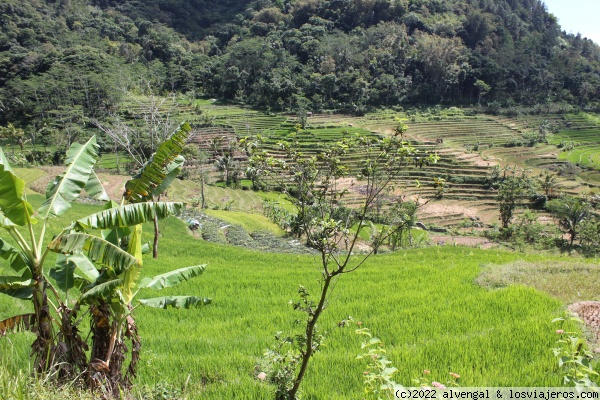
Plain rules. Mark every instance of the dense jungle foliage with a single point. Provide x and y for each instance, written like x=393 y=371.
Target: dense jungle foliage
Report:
x=66 y=60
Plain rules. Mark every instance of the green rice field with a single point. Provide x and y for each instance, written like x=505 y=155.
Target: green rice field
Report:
x=586 y=152
x=422 y=303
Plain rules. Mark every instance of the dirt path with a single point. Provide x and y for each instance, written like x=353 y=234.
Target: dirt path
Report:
x=114 y=185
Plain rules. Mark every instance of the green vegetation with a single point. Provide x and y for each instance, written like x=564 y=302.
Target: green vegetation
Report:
x=487 y=87
x=428 y=310
x=310 y=183
x=580 y=146
x=571 y=212
x=250 y=222
x=575 y=362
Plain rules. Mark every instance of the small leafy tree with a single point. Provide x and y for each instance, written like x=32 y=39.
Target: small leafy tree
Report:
x=229 y=167
x=302 y=110
x=549 y=184
x=528 y=231
x=12 y=135
x=589 y=235
x=312 y=185
x=401 y=220
x=512 y=190
x=575 y=361
x=482 y=89
x=570 y=212
x=104 y=271
x=377 y=377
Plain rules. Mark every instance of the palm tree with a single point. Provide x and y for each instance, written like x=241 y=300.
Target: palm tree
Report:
x=570 y=211
x=227 y=165
x=549 y=184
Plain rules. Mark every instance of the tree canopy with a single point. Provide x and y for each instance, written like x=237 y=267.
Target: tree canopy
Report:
x=338 y=54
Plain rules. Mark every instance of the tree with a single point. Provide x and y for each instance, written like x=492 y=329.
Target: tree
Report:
x=104 y=270
x=482 y=89
x=12 y=135
x=198 y=171
x=141 y=141
x=512 y=190
x=229 y=166
x=68 y=120
x=549 y=184
x=158 y=173
x=589 y=235
x=401 y=220
x=312 y=185
x=570 y=212
x=302 y=109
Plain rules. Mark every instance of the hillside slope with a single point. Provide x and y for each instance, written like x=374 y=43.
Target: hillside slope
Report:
x=75 y=58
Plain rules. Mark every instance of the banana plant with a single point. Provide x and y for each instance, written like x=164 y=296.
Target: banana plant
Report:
x=104 y=272
x=110 y=292
x=158 y=173
x=28 y=257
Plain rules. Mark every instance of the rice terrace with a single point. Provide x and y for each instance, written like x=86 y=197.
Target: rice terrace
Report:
x=296 y=199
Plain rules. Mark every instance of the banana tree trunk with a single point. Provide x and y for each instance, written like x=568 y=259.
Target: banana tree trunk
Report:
x=43 y=345
x=156 y=233
x=203 y=202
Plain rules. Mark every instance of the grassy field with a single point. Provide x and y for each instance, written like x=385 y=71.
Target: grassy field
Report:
x=578 y=137
x=422 y=303
x=587 y=146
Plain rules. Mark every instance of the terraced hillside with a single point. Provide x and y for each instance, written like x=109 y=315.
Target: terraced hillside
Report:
x=468 y=145
x=466 y=176
x=580 y=141
x=574 y=145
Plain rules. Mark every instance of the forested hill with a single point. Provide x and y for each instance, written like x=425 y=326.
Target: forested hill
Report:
x=66 y=59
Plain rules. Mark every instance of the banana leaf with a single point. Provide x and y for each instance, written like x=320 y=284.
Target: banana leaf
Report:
x=12 y=200
x=68 y=186
x=102 y=291
x=63 y=273
x=171 y=172
x=94 y=188
x=74 y=270
x=5 y=222
x=172 y=278
x=25 y=293
x=143 y=185
x=16 y=282
x=18 y=323
x=129 y=215
x=83 y=267
x=112 y=235
x=132 y=275
x=15 y=258
x=96 y=249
